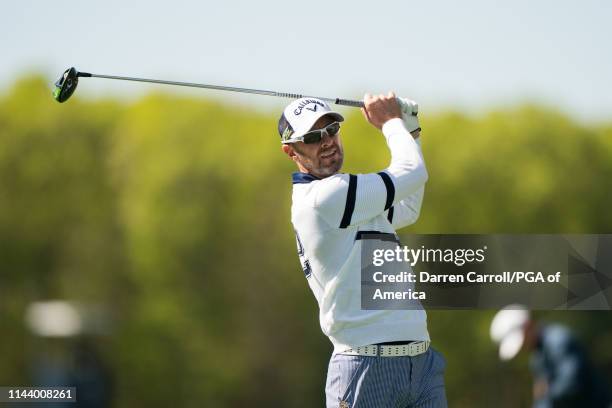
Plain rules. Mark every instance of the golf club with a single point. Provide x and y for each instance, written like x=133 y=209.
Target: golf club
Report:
x=66 y=85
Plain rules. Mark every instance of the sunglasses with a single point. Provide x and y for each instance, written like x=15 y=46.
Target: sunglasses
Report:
x=315 y=136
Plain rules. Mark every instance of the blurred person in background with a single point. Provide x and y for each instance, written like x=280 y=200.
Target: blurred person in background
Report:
x=66 y=353
x=563 y=375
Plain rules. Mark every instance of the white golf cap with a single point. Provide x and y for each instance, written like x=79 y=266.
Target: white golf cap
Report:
x=507 y=329
x=300 y=115
x=56 y=318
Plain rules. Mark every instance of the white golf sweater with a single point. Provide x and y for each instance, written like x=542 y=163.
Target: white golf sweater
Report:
x=327 y=215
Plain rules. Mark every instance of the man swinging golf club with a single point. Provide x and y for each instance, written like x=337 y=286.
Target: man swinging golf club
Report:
x=381 y=358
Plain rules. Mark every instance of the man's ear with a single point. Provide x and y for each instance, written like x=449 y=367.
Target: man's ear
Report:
x=289 y=151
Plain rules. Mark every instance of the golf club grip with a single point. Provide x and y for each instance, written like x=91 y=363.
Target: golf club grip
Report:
x=288 y=95
x=349 y=102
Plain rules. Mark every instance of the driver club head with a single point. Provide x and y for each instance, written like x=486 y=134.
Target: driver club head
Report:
x=66 y=85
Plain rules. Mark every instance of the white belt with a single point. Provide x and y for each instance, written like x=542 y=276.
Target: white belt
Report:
x=401 y=350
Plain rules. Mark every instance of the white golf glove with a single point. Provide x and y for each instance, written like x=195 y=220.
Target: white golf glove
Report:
x=409 y=109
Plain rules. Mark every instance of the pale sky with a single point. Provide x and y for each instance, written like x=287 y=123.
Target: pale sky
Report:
x=469 y=55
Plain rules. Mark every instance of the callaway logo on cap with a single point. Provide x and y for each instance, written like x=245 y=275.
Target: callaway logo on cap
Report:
x=300 y=115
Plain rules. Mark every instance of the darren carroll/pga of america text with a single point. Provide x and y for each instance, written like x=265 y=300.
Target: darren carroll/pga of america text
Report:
x=393 y=282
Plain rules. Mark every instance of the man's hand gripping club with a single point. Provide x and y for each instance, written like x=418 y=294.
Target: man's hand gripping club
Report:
x=379 y=109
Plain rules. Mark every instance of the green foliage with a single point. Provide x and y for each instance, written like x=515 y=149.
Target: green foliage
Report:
x=173 y=213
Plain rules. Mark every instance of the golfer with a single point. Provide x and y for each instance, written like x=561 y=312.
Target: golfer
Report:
x=563 y=374
x=381 y=358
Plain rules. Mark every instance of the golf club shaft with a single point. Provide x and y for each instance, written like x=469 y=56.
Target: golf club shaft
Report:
x=337 y=101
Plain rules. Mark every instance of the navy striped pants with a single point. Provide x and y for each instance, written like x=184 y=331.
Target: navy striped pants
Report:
x=381 y=382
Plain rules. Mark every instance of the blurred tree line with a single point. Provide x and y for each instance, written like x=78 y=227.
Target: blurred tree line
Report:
x=174 y=213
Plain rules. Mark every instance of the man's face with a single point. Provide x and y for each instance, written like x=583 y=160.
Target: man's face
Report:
x=321 y=159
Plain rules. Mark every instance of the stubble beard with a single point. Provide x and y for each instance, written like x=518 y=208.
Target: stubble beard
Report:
x=322 y=171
